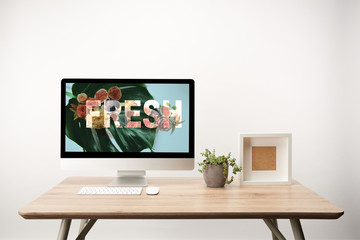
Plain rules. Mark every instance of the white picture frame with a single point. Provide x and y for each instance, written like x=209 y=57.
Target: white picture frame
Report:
x=283 y=173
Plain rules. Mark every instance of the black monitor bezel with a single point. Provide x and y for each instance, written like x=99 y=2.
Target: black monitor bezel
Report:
x=189 y=154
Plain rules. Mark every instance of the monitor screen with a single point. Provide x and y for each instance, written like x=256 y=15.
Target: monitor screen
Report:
x=127 y=118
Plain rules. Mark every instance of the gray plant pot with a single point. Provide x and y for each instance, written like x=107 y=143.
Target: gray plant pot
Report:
x=213 y=176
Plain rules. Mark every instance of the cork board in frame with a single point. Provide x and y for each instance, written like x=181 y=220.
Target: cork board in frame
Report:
x=265 y=158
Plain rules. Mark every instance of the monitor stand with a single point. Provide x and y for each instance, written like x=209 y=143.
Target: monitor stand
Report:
x=129 y=179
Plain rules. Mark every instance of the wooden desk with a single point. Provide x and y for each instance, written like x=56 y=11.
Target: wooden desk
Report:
x=181 y=198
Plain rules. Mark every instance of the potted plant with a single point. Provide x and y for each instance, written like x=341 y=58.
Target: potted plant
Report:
x=215 y=169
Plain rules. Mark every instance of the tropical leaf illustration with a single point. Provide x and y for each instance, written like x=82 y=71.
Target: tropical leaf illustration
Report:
x=111 y=139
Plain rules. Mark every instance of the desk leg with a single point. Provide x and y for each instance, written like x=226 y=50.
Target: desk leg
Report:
x=86 y=229
x=276 y=225
x=297 y=229
x=64 y=229
x=83 y=223
x=274 y=229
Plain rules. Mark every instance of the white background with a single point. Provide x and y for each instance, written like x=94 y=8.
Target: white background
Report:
x=259 y=66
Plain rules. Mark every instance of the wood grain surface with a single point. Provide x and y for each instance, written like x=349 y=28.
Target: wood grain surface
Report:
x=180 y=198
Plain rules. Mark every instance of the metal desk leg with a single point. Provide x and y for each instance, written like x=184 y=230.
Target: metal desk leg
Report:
x=83 y=223
x=64 y=229
x=297 y=229
x=86 y=229
x=276 y=225
x=274 y=229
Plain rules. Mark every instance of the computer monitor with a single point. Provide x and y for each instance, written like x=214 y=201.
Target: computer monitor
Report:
x=129 y=125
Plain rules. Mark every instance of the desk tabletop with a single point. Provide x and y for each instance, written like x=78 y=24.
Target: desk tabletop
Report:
x=180 y=198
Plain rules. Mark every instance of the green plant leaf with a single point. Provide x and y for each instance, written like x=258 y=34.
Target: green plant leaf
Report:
x=70 y=95
x=105 y=142
x=133 y=139
x=76 y=130
x=127 y=139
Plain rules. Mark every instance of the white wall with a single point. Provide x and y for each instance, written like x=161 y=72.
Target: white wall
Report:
x=289 y=66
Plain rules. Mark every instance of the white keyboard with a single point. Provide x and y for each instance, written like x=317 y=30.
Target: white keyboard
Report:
x=111 y=190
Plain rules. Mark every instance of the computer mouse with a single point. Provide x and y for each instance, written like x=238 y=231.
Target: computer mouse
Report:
x=152 y=190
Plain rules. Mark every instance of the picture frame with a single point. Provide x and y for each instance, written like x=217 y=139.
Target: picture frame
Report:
x=266 y=158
